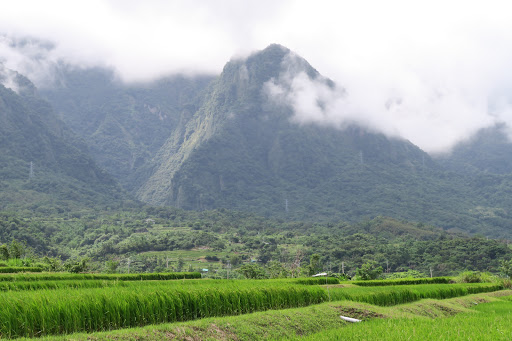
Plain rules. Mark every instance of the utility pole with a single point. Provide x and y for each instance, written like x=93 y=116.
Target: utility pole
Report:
x=129 y=261
x=430 y=272
x=228 y=267
x=343 y=267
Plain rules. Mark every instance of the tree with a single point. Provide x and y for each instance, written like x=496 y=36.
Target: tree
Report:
x=276 y=269
x=369 y=270
x=235 y=259
x=51 y=263
x=252 y=271
x=295 y=266
x=111 y=266
x=506 y=268
x=77 y=265
x=16 y=249
x=4 y=252
x=181 y=262
x=314 y=264
x=266 y=252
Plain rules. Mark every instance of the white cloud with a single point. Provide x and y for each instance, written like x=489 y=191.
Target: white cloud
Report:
x=142 y=40
x=433 y=72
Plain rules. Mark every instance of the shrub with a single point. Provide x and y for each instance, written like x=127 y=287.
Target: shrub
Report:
x=506 y=268
x=469 y=277
x=406 y=274
x=368 y=271
x=252 y=271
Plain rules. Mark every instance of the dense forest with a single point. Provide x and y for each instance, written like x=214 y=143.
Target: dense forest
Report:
x=211 y=142
x=214 y=239
x=208 y=172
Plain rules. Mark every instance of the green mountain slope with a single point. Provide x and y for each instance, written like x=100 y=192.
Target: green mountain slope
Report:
x=124 y=126
x=205 y=143
x=63 y=176
x=242 y=152
x=489 y=151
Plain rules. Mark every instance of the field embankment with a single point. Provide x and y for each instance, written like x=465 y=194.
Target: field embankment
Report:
x=28 y=313
x=324 y=318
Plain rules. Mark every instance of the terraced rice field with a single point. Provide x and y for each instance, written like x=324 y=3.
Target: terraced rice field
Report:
x=44 y=304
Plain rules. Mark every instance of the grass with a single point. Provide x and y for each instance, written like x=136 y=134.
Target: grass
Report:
x=14 y=269
x=490 y=321
x=43 y=312
x=46 y=312
x=298 y=323
x=117 y=277
x=392 y=295
x=404 y=281
x=49 y=285
x=317 y=281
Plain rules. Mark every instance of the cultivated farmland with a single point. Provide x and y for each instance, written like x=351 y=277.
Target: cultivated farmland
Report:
x=36 y=305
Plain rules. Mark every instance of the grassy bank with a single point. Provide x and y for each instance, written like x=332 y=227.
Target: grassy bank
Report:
x=291 y=323
x=68 y=310
x=489 y=321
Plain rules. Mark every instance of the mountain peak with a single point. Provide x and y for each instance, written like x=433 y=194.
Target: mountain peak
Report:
x=275 y=48
x=262 y=66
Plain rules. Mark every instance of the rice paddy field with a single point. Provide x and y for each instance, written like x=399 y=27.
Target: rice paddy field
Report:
x=59 y=306
x=489 y=321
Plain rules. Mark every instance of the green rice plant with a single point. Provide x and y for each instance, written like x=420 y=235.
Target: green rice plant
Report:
x=139 y=303
x=391 y=295
x=489 y=321
x=475 y=277
x=117 y=277
x=403 y=281
x=13 y=269
x=45 y=312
x=49 y=285
x=317 y=281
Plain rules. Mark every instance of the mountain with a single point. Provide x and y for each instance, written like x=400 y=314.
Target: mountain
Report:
x=242 y=151
x=489 y=151
x=42 y=164
x=123 y=125
x=208 y=142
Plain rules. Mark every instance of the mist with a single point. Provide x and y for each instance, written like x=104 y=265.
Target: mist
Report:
x=433 y=73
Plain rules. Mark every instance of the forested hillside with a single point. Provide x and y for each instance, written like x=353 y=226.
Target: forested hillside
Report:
x=124 y=125
x=208 y=142
x=43 y=165
x=166 y=239
x=489 y=151
x=243 y=151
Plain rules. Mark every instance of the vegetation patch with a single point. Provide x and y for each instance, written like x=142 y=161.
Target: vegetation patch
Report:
x=405 y=281
x=110 y=277
x=140 y=303
x=52 y=285
x=490 y=321
x=297 y=322
x=12 y=269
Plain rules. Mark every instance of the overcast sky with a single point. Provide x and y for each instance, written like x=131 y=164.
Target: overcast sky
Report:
x=433 y=72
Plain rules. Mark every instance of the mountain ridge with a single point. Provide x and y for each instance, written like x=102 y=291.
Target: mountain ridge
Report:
x=41 y=157
x=230 y=145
